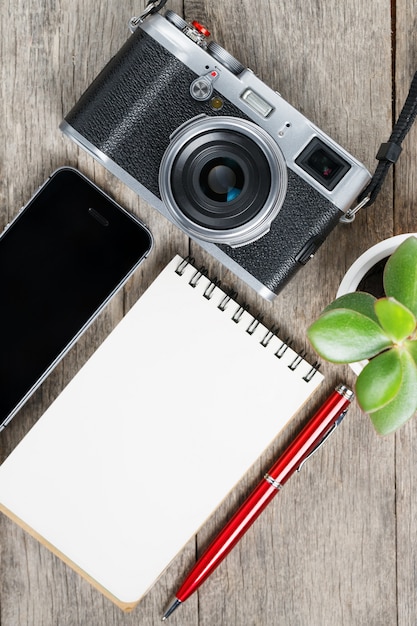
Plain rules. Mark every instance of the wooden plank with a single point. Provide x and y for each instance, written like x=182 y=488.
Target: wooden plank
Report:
x=50 y=52
x=325 y=551
x=404 y=215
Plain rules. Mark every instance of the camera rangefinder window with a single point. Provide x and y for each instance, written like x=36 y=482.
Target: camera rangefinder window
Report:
x=327 y=167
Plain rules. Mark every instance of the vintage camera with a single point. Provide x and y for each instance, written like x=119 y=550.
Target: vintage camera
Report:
x=216 y=151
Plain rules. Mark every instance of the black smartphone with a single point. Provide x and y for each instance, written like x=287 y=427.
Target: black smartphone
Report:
x=61 y=259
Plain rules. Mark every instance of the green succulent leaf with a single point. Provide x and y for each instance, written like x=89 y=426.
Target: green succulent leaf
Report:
x=345 y=336
x=356 y=301
x=404 y=405
x=411 y=347
x=380 y=381
x=400 y=274
x=395 y=318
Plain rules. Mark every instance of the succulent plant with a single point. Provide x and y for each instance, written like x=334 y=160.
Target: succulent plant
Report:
x=358 y=326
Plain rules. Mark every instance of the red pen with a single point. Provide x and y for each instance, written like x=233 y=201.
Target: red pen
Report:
x=312 y=436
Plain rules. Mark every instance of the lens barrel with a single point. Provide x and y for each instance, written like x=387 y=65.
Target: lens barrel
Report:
x=220 y=179
x=223 y=180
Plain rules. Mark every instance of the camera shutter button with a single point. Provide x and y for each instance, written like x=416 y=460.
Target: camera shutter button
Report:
x=201 y=29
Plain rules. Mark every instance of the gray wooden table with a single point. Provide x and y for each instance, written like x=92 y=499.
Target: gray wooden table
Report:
x=338 y=545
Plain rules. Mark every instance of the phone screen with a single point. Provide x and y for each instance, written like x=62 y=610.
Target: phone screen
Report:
x=61 y=259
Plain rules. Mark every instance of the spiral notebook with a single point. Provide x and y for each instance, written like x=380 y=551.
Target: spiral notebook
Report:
x=153 y=432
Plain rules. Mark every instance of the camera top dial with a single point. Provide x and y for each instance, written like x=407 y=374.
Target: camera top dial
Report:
x=198 y=33
x=195 y=31
x=226 y=59
x=175 y=19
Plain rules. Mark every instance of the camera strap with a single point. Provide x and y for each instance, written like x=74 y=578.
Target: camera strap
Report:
x=388 y=152
x=152 y=6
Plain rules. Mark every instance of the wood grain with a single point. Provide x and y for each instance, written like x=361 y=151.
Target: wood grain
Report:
x=338 y=545
x=405 y=221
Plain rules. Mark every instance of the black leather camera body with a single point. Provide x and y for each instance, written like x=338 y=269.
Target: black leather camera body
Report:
x=216 y=151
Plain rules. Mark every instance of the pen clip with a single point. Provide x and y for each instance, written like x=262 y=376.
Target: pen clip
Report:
x=323 y=440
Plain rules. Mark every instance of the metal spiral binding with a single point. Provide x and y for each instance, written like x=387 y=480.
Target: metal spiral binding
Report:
x=209 y=290
x=314 y=369
x=298 y=359
x=254 y=325
x=283 y=348
x=273 y=332
x=230 y=297
x=193 y=282
x=237 y=316
x=189 y=260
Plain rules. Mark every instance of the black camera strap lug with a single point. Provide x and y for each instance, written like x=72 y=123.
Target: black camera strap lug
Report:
x=388 y=152
x=153 y=6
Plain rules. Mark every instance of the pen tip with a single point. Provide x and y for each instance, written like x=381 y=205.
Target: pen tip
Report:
x=171 y=609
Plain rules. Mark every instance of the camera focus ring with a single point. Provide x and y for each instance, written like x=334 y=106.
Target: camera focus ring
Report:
x=220 y=180
x=223 y=180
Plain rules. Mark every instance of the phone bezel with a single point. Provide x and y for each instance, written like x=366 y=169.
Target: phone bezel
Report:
x=102 y=305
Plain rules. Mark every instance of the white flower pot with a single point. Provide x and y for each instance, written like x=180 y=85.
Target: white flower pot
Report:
x=361 y=266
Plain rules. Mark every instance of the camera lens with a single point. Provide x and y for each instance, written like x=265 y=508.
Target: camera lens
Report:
x=223 y=179
x=220 y=179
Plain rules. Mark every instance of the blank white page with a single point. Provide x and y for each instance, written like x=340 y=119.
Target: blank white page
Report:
x=152 y=433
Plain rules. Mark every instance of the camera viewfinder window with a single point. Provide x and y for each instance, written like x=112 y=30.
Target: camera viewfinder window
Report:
x=321 y=162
